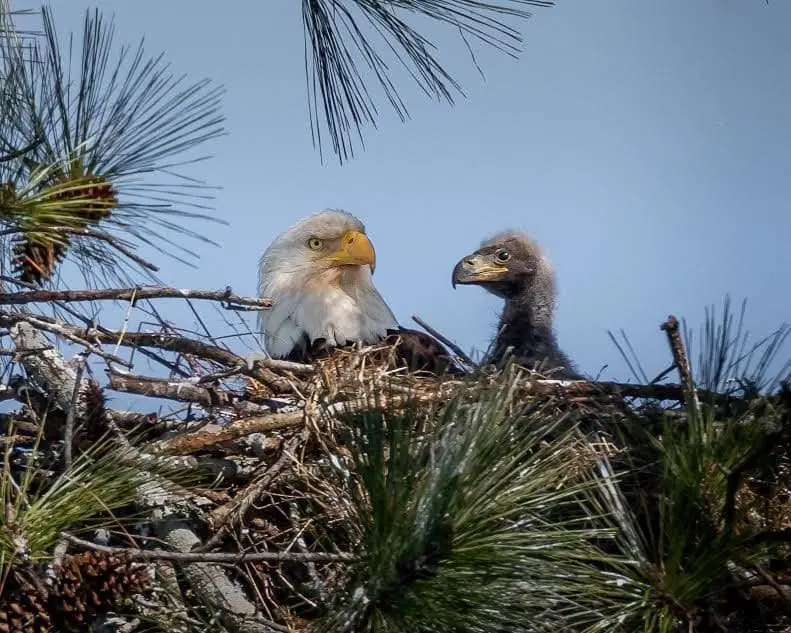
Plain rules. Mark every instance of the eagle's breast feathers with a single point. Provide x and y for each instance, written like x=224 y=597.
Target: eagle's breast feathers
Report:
x=319 y=275
x=339 y=305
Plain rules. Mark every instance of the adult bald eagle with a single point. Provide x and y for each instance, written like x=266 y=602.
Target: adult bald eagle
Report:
x=511 y=266
x=319 y=275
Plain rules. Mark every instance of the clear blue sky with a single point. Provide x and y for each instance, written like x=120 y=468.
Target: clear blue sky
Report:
x=647 y=145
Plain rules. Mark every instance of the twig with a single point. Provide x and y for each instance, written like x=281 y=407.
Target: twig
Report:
x=772 y=536
x=624 y=390
x=129 y=294
x=300 y=369
x=125 y=326
x=214 y=557
x=448 y=343
x=682 y=363
x=782 y=592
x=219 y=375
x=68 y=432
x=18 y=354
x=104 y=237
x=299 y=541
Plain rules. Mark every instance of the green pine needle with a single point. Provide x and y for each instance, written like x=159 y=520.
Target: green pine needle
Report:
x=86 y=496
x=462 y=530
x=344 y=62
x=91 y=107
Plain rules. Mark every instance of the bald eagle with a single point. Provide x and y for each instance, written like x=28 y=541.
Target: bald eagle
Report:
x=511 y=266
x=319 y=275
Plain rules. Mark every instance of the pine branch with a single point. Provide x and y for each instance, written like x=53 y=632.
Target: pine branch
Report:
x=213 y=557
x=167 y=342
x=132 y=295
x=105 y=131
x=178 y=390
x=343 y=64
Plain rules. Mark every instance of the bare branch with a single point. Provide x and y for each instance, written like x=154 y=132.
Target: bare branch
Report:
x=214 y=557
x=194 y=442
x=682 y=362
x=68 y=432
x=130 y=294
x=168 y=342
x=181 y=390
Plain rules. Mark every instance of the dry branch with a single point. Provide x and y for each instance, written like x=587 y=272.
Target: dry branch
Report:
x=180 y=390
x=214 y=557
x=130 y=294
x=680 y=358
x=201 y=440
x=169 y=342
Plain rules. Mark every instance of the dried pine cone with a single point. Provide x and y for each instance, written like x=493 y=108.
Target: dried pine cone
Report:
x=90 y=188
x=36 y=260
x=91 y=584
x=24 y=603
x=94 y=423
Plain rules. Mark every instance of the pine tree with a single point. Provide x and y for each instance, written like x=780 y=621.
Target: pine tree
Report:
x=381 y=501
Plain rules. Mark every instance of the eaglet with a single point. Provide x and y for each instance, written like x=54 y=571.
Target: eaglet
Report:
x=511 y=266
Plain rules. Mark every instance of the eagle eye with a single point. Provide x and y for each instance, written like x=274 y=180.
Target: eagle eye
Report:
x=314 y=243
x=502 y=255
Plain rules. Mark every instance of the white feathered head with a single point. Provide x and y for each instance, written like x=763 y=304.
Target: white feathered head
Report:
x=319 y=275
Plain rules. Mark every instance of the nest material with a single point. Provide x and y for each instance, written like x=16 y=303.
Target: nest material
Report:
x=307 y=505
x=274 y=471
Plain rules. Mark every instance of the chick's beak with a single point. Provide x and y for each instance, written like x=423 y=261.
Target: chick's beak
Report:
x=474 y=269
x=355 y=250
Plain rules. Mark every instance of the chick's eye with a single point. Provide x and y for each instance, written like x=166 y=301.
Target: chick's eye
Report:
x=314 y=243
x=502 y=255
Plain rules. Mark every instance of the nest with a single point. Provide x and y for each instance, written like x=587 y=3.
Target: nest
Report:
x=259 y=471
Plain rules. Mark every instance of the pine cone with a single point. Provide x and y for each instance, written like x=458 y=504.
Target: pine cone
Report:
x=92 y=584
x=24 y=603
x=94 y=423
x=90 y=188
x=36 y=260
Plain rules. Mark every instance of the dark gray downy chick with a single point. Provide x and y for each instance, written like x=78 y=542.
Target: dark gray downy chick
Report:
x=511 y=266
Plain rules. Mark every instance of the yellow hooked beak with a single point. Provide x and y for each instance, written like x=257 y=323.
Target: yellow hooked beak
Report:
x=475 y=269
x=355 y=250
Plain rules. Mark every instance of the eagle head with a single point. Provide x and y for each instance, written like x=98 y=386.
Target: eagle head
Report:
x=509 y=264
x=319 y=273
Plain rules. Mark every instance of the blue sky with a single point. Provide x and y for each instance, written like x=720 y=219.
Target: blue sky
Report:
x=646 y=145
